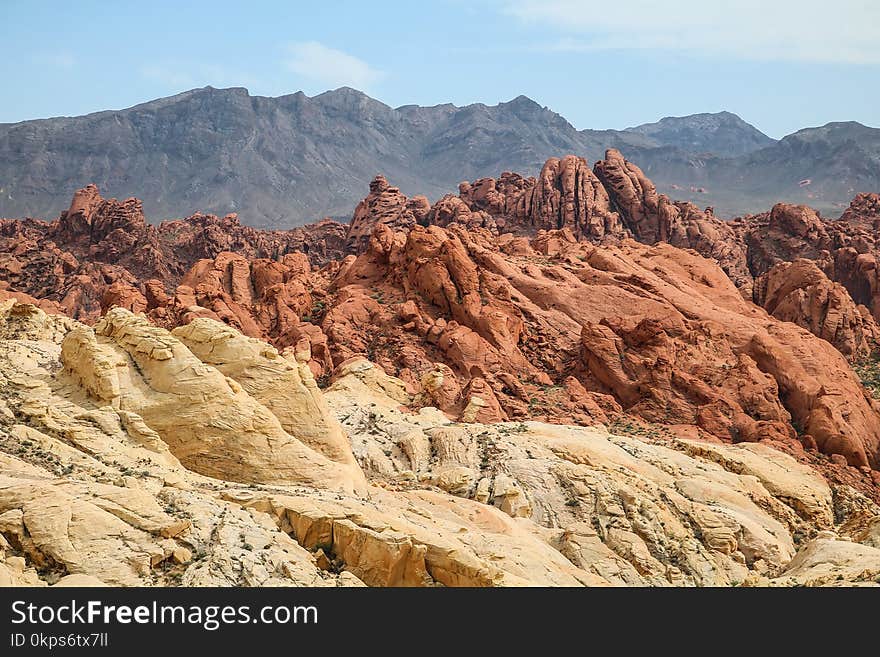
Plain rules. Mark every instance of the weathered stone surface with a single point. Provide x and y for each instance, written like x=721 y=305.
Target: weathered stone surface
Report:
x=800 y=292
x=610 y=503
x=566 y=194
x=210 y=422
x=383 y=205
x=518 y=300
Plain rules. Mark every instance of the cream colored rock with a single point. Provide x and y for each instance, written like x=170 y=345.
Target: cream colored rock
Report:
x=208 y=421
x=90 y=494
x=826 y=561
x=104 y=531
x=716 y=513
x=79 y=581
x=510 y=498
x=806 y=490
x=23 y=321
x=13 y=572
x=371 y=377
x=456 y=479
x=425 y=539
x=870 y=534
x=287 y=388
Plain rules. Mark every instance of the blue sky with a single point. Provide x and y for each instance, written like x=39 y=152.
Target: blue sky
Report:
x=780 y=65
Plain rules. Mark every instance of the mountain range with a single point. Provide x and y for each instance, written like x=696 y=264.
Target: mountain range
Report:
x=281 y=162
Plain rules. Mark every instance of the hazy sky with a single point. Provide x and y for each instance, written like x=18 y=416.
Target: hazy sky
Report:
x=780 y=65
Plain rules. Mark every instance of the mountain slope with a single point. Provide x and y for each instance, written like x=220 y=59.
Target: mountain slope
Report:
x=723 y=134
x=816 y=165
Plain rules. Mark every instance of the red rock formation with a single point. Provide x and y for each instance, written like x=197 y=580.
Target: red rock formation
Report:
x=863 y=212
x=634 y=194
x=565 y=195
x=383 y=205
x=653 y=217
x=619 y=200
x=784 y=234
x=800 y=292
x=846 y=250
x=611 y=202
x=267 y=299
x=20 y=297
x=100 y=244
x=659 y=331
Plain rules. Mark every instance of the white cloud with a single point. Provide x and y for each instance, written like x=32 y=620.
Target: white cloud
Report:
x=330 y=67
x=794 y=30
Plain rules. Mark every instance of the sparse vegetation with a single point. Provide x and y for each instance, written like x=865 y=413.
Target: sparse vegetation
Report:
x=868 y=371
x=625 y=425
x=316 y=313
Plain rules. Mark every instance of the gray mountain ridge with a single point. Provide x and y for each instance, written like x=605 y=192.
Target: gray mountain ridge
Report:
x=288 y=160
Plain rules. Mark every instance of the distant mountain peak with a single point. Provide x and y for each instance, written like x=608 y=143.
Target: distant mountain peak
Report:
x=344 y=91
x=523 y=101
x=722 y=133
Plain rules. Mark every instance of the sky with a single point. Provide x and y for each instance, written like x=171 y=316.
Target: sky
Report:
x=781 y=65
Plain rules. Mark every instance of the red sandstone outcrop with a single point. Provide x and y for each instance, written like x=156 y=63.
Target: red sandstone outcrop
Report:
x=653 y=217
x=784 y=234
x=612 y=201
x=383 y=205
x=863 y=212
x=268 y=299
x=800 y=292
x=100 y=244
x=618 y=200
x=566 y=194
x=846 y=249
x=656 y=331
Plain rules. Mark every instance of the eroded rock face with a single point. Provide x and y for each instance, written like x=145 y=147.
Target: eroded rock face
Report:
x=486 y=314
x=383 y=205
x=284 y=385
x=612 y=201
x=656 y=331
x=622 y=508
x=90 y=493
x=495 y=327
x=101 y=253
x=129 y=364
x=800 y=292
x=566 y=194
x=268 y=299
x=846 y=249
x=618 y=200
x=653 y=217
x=863 y=212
